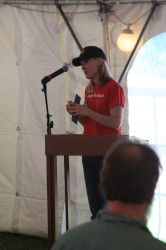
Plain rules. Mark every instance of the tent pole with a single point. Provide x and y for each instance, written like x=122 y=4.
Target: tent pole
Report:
x=103 y=12
x=137 y=43
x=106 y=37
x=69 y=26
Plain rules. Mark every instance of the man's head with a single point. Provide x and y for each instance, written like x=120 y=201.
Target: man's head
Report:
x=130 y=173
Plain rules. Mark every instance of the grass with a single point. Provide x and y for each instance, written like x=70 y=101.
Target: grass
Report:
x=11 y=241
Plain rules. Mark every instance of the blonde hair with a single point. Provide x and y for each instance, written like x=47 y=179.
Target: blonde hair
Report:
x=104 y=76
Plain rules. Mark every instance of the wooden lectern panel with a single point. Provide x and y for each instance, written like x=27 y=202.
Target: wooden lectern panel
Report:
x=80 y=144
x=69 y=145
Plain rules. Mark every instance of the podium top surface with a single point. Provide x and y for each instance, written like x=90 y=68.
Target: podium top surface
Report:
x=78 y=144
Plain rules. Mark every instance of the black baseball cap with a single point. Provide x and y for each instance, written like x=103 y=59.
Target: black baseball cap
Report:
x=88 y=53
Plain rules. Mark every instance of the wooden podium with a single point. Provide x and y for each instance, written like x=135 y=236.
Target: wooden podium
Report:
x=69 y=145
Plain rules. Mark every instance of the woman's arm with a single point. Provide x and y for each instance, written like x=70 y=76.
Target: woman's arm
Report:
x=114 y=120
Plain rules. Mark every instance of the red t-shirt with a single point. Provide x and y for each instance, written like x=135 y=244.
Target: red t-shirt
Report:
x=101 y=100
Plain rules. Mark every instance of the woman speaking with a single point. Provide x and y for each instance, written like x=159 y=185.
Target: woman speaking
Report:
x=101 y=113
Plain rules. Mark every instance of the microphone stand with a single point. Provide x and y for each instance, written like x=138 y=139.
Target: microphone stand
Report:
x=44 y=81
x=49 y=123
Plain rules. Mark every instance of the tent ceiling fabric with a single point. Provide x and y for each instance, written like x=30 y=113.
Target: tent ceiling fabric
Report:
x=71 y=2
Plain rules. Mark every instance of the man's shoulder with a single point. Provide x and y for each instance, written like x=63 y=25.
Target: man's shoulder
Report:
x=160 y=244
x=73 y=236
x=108 y=229
x=78 y=230
x=151 y=244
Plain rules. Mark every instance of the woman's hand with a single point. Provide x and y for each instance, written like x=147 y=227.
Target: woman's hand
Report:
x=70 y=107
x=77 y=109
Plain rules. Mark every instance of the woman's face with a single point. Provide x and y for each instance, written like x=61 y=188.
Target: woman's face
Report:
x=90 y=68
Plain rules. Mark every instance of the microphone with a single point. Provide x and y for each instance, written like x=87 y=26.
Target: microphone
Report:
x=48 y=78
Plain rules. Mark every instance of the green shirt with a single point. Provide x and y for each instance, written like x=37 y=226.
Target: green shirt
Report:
x=109 y=231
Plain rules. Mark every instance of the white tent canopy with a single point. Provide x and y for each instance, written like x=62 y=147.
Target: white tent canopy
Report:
x=34 y=42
